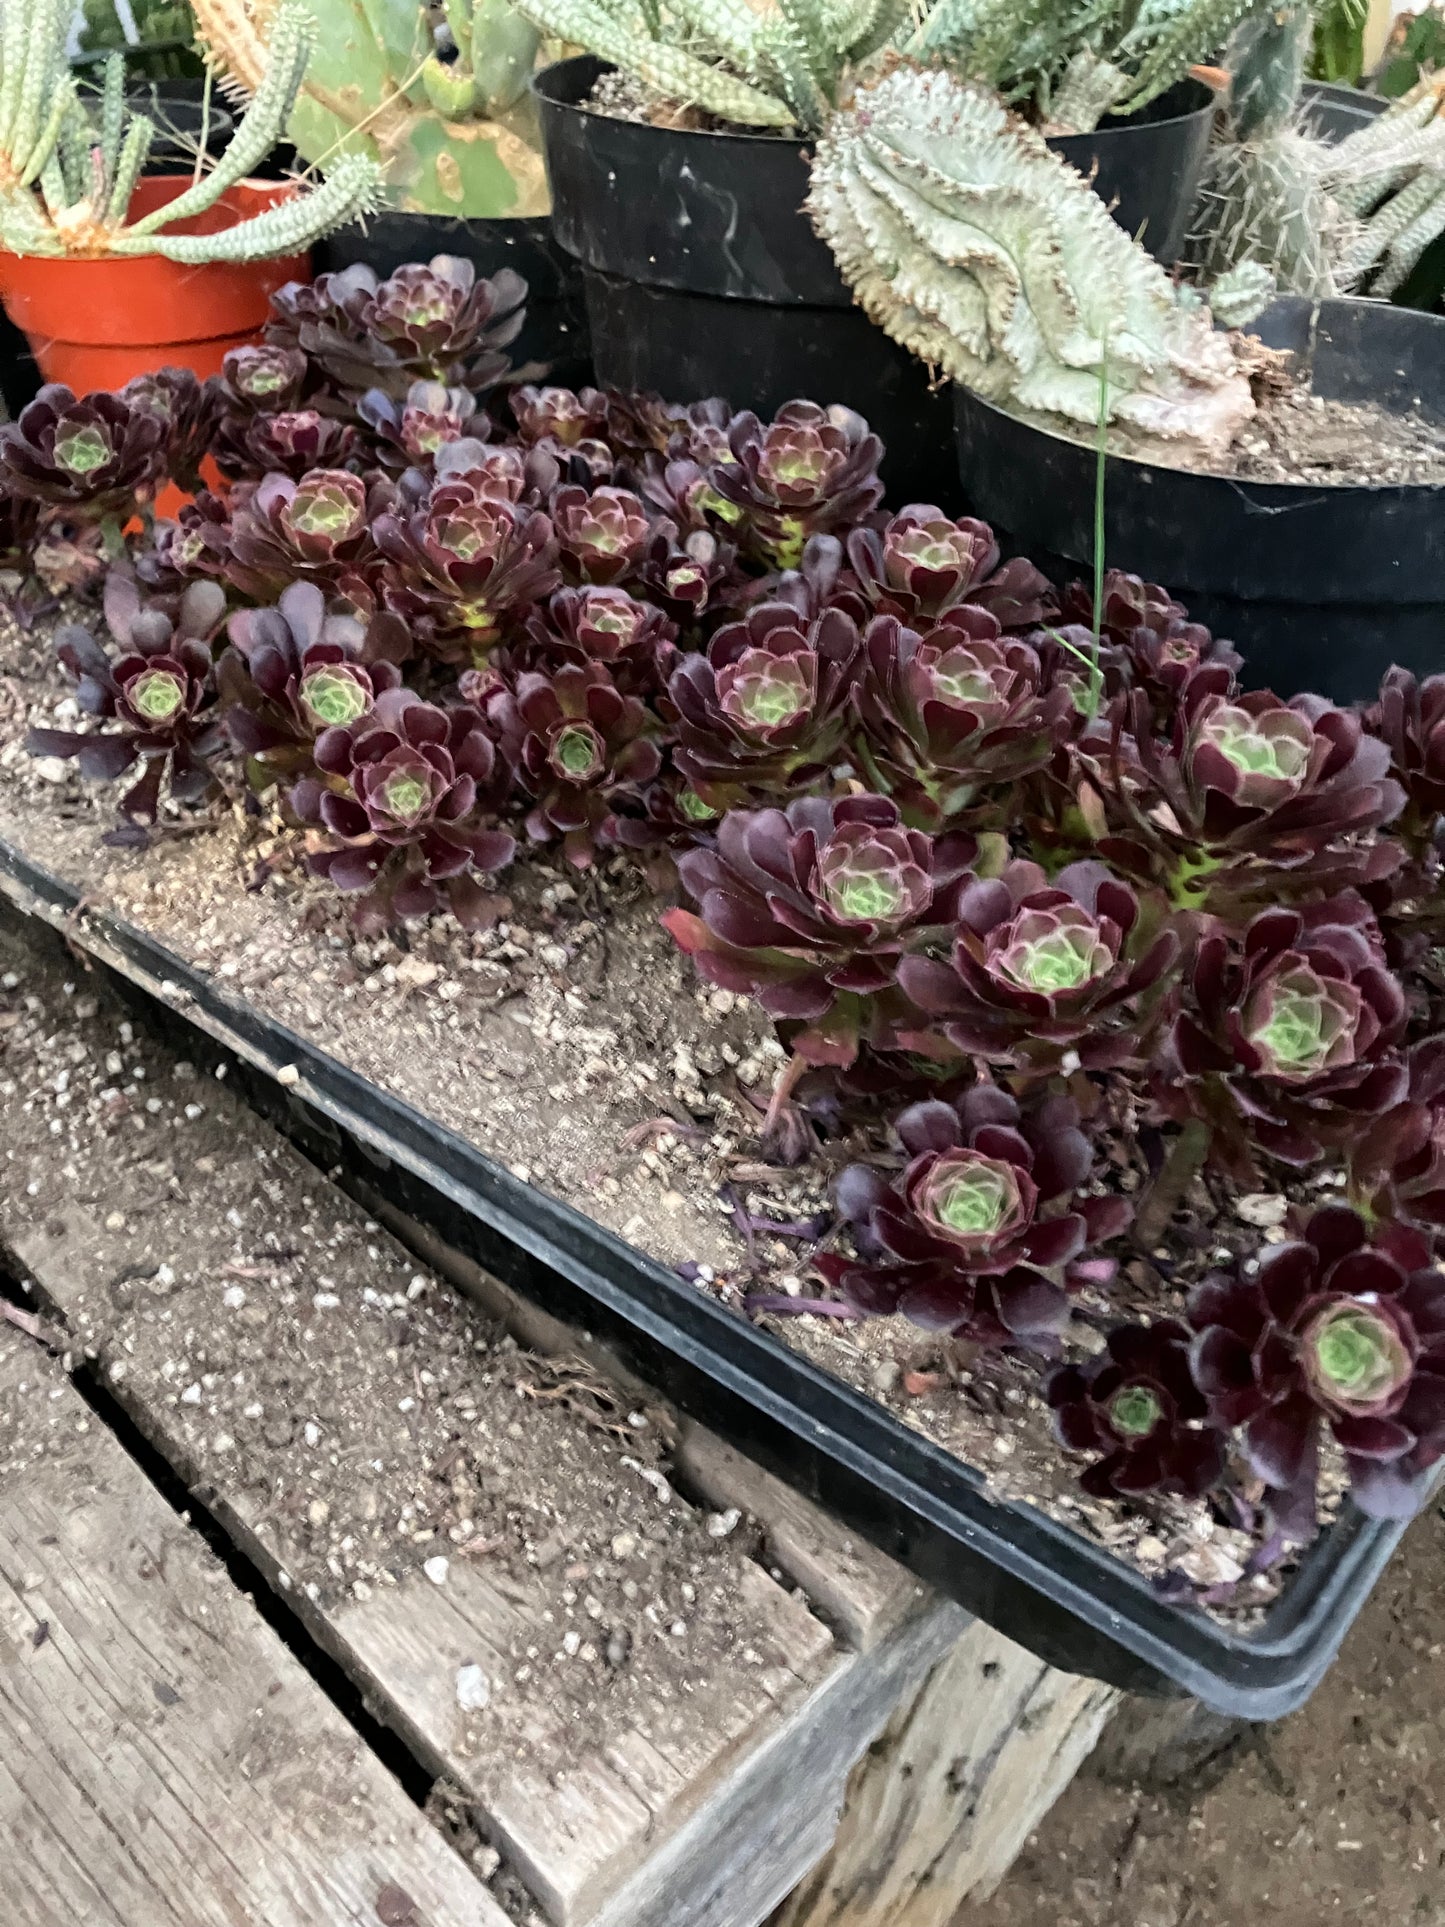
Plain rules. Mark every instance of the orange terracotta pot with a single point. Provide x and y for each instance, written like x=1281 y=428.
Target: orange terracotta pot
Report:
x=95 y=322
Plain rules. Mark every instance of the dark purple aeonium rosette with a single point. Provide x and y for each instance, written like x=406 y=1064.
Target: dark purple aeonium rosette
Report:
x=810 y=909
x=289 y=442
x=416 y=427
x=160 y=692
x=187 y=409
x=317 y=529
x=406 y=793
x=581 y=748
x=601 y=533
x=96 y=457
x=1396 y=1161
x=1285 y=1040
x=809 y=470
x=1250 y=798
x=634 y=640
x=766 y=709
x=1409 y=719
x=1137 y=1409
x=1047 y=976
x=294 y=671
x=920 y=563
x=1148 y=638
x=462 y=560
x=948 y=720
x=985 y=1231
x=1332 y=1329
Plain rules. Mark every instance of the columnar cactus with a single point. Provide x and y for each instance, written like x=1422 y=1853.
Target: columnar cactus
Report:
x=66 y=180
x=443 y=114
x=967 y=240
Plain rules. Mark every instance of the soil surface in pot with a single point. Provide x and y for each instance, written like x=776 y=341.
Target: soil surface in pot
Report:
x=1299 y=436
x=377 y=1416
x=574 y=1043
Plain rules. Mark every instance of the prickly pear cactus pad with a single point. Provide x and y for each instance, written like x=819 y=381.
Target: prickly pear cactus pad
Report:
x=974 y=246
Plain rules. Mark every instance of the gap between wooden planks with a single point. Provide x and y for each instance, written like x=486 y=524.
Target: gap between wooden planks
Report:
x=712 y=1825
x=164 y=1761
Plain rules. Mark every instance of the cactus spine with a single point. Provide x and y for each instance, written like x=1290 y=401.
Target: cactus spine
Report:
x=454 y=135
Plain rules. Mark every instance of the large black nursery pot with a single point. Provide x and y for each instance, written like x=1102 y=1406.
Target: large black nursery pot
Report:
x=554 y=336
x=1323 y=588
x=704 y=277
x=1146 y=166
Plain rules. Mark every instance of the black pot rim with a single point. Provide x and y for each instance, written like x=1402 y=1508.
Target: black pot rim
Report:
x=1276 y=494
x=771 y=136
x=1121 y=123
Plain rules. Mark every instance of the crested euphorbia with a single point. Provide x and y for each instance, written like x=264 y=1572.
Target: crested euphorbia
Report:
x=581 y=747
x=986 y=1229
x=1252 y=799
x=1137 y=1409
x=766 y=709
x=808 y=470
x=406 y=795
x=947 y=720
x=1284 y=1042
x=810 y=909
x=1047 y=975
x=1332 y=1328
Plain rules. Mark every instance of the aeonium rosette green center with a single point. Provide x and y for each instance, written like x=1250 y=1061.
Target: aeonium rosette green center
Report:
x=157 y=695
x=972 y=1200
x=1270 y=750
x=331 y=505
x=577 y=752
x=937 y=547
x=333 y=697
x=84 y=450
x=1050 y=951
x=870 y=876
x=1355 y=1359
x=404 y=795
x=1134 y=1411
x=762 y=692
x=1303 y=1024
x=959 y=677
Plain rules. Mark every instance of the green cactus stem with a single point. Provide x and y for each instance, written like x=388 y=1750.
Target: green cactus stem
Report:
x=85 y=170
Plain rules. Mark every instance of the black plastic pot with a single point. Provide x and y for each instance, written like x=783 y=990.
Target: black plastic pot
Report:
x=1322 y=588
x=1146 y=166
x=704 y=277
x=555 y=334
x=181 y=116
x=1053 y=1591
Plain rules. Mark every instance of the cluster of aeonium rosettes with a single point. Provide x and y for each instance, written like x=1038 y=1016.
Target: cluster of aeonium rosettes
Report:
x=1250 y=799
x=1047 y=976
x=811 y=909
x=406 y=795
x=1284 y=1043
x=988 y=1226
x=1335 y=1329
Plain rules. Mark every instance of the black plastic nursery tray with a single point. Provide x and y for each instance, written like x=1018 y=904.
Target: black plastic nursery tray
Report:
x=1043 y=1585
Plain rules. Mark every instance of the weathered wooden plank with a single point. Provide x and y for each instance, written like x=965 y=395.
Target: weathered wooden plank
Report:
x=939 y=1809
x=164 y=1762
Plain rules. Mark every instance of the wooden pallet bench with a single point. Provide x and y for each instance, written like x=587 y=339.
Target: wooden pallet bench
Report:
x=879 y=1759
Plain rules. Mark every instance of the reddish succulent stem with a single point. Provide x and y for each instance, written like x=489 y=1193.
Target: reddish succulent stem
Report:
x=1165 y=1195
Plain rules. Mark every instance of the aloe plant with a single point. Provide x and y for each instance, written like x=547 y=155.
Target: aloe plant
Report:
x=446 y=120
x=66 y=178
x=965 y=238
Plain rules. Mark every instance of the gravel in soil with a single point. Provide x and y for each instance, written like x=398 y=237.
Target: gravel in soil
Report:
x=376 y=1424
x=574 y=1043
x=1300 y=437
x=1335 y=1814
